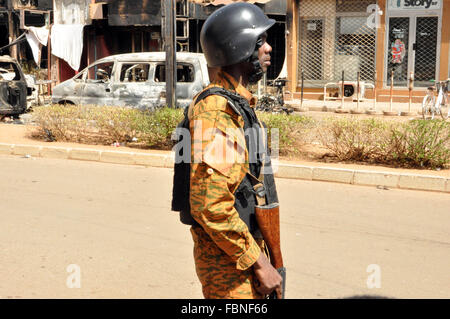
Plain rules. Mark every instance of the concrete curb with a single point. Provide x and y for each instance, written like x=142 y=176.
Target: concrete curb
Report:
x=282 y=170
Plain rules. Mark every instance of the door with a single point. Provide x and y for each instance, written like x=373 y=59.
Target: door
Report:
x=425 y=60
x=312 y=49
x=133 y=87
x=13 y=89
x=97 y=85
x=398 y=51
x=412 y=48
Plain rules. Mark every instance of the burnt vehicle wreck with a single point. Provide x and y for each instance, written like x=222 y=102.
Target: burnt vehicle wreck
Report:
x=135 y=80
x=13 y=87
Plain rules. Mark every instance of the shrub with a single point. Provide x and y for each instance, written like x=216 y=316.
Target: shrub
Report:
x=106 y=124
x=293 y=130
x=86 y=124
x=155 y=127
x=417 y=143
x=353 y=139
x=420 y=143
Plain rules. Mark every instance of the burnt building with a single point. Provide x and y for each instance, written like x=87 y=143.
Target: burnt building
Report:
x=124 y=26
x=102 y=28
x=15 y=17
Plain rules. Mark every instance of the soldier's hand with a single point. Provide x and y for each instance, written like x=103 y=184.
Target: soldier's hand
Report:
x=268 y=277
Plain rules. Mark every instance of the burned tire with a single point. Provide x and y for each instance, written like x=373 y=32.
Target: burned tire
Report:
x=66 y=102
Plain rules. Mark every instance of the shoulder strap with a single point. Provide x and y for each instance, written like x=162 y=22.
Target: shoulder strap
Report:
x=230 y=96
x=233 y=101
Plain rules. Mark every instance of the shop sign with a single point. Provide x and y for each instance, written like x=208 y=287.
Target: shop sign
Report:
x=414 y=4
x=398 y=33
x=311 y=27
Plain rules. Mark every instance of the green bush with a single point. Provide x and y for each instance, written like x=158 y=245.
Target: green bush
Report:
x=420 y=143
x=86 y=124
x=106 y=125
x=293 y=130
x=155 y=128
x=417 y=143
x=354 y=139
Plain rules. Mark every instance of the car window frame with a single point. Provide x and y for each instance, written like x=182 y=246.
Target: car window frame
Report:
x=17 y=71
x=81 y=75
x=119 y=71
x=93 y=81
x=191 y=64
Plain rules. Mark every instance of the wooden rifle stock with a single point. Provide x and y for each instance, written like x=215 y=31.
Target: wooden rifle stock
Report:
x=268 y=218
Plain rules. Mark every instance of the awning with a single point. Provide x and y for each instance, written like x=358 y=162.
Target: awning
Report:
x=220 y=2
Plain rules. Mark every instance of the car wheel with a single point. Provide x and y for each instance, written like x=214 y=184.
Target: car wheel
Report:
x=66 y=102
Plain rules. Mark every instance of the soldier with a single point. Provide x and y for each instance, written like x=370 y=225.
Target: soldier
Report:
x=228 y=246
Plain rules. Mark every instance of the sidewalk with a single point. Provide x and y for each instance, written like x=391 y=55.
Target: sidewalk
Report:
x=14 y=140
x=379 y=107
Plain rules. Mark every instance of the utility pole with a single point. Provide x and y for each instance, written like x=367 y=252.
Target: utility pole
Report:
x=11 y=30
x=170 y=48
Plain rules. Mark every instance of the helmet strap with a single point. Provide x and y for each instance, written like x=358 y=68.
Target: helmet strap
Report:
x=257 y=71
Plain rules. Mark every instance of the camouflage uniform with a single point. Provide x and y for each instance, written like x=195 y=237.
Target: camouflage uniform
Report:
x=224 y=249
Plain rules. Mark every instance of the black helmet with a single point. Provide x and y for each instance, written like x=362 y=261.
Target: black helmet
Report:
x=230 y=33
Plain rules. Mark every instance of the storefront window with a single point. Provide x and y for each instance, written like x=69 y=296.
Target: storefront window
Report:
x=423 y=65
x=355 y=43
x=412 y=43
x=398 y=51
x=335 y=36
x=426 y=50
x=352 y=5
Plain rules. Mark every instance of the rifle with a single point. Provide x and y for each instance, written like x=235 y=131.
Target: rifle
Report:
x=268 y=218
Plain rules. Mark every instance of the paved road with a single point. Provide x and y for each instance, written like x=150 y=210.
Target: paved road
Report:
x=113 y=223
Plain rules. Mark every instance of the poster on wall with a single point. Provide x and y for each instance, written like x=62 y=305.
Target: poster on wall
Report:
x=398 y=51
x=414 y=4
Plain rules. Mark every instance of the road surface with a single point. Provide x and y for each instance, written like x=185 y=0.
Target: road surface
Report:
x=107 y=229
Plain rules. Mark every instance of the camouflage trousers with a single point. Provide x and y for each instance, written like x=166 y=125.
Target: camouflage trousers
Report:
x=217 y=272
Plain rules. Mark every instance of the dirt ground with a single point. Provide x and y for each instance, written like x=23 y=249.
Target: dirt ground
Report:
x=21 y=134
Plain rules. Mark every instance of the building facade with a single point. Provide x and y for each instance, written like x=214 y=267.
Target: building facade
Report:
x=378 y=39
x=124 y=26
x=107 y=27
x=15 y=17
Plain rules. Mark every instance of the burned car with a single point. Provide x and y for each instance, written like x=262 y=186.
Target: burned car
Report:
x=13 y=87
x=134 y=79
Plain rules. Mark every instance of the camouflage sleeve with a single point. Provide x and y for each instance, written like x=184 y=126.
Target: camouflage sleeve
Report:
x=212 y=187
